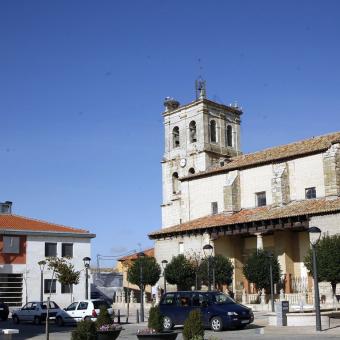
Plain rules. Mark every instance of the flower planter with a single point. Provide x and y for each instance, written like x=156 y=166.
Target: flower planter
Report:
x=108 y=335
x=158 y=336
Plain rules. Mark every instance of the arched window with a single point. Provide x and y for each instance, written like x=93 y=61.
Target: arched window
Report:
x=229 y=135
x=213 y=135
x=175 y=137
x=175 y=183
x=191 y=171
x=192 y=132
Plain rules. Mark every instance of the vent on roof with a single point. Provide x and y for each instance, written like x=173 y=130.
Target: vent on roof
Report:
x=224 y=161
x=6 y=207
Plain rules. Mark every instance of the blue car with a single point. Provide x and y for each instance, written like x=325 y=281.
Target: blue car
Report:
x=218 y=310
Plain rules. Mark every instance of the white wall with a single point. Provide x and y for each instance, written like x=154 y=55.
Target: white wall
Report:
x=304 y=173
x=255 y=180
x=202 y=192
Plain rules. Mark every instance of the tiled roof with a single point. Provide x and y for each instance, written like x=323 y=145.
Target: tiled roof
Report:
x=11 y=222
x=278 y=153
x=148 y=252
x=296 y=208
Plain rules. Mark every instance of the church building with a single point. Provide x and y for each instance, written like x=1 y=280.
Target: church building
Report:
x=214 y=194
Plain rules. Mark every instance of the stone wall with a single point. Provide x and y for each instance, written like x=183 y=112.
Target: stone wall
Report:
x=231 y=191
x=331 y=166
x=280 y=184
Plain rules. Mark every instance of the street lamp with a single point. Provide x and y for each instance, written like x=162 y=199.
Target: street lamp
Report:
x=42 y=265
x=86 y=261
x=164 y=264
x=208 y=250
x=141 y=255
x=314 y=238
x=270 y=257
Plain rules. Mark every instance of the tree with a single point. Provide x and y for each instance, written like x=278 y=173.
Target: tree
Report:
x=151 y=271
x=257 y=269
x=180 y=272
x=223 y=270
x=64 y=272
x=328 y=260
x=195 y=259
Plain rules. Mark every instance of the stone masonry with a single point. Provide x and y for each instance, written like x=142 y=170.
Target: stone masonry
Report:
x=331 y=165
x=280 y=184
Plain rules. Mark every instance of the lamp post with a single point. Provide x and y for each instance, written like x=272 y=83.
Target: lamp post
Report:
x=314 y=237
x=141 y=255
x=208 y=250
x=87 y=261
x=164 y=264
x=42 y=265
x=270 y=257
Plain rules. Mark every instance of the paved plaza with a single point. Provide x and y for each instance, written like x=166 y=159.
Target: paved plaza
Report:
x=258 y=330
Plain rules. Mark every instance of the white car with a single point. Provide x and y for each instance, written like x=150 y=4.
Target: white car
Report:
x=81 y=310
x=35 y=312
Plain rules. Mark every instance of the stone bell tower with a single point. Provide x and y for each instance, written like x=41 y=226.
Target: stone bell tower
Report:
x=197 y=136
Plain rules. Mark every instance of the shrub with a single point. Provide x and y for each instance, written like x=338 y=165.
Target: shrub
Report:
x=193 y=326
x=155 y=319
x=103 y=318
x=86 y=330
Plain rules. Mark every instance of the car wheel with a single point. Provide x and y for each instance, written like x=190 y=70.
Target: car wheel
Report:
x=59 y=321
x=87 y=318
x=37 y=320
x=167 y=323
x=216 y=324
x=15 y=319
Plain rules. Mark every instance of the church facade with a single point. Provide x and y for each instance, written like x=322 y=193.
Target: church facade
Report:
x=214 y=194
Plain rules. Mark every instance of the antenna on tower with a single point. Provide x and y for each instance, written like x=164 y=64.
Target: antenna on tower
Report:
x=200 y=84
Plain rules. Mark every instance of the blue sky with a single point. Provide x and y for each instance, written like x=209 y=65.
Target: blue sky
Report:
x=82 y=85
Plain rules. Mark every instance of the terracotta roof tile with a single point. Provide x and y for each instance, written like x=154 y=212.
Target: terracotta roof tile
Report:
x=278 y=153
x=296 y=208
x=20 y=223
x=148 y=252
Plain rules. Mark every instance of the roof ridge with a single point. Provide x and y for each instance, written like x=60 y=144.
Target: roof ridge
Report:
x=46 y=222
x=288 y=144
x=319 y=205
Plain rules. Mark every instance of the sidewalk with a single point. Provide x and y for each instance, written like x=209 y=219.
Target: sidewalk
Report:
x=259 y=329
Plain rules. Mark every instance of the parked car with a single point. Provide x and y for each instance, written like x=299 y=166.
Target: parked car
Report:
x=35 y=312
x=3 y=311
x=82 y=310
x=218 y=310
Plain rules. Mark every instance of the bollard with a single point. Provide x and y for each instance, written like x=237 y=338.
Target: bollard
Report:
x=118 y=316
x=137 y=316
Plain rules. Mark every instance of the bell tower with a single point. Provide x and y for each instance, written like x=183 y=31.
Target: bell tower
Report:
x=197 y=136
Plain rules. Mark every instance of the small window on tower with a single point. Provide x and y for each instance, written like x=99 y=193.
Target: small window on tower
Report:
x=214 y=208
x=261 y=199
x=229 y=135
x=213 y=137
x=310 y=193
x=175 y=137
x=192 y=132
x=175 y=183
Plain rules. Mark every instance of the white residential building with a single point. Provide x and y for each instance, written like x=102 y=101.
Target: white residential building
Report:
x=23 y=243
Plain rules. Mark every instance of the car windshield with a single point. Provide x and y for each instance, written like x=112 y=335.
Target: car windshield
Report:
x=222 y=299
